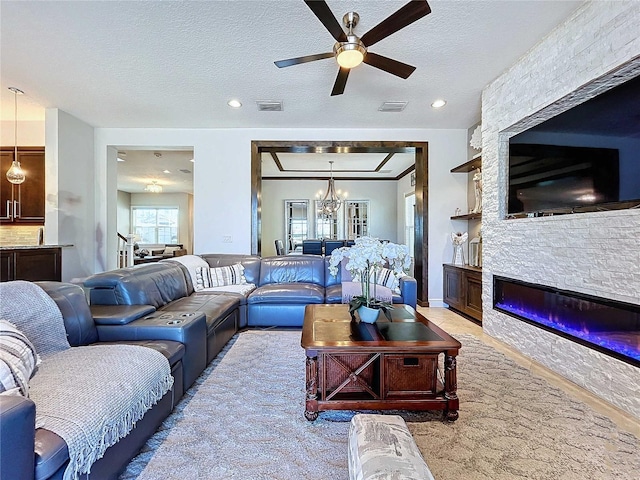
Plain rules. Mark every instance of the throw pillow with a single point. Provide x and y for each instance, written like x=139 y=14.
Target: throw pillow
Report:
x=388 y=279
x=219 y=276
x=18 y=360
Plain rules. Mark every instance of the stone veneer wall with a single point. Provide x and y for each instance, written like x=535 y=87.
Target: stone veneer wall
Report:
x=595 y=253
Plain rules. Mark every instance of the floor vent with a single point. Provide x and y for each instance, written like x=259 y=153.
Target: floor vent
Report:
x=392 y=106
x=269 y=106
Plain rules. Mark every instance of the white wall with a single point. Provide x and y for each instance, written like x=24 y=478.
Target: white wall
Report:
x=381 y=195
x=70 y=193
x=222 y=179
x=30 y=133
x=124 y=213
x=594 y=253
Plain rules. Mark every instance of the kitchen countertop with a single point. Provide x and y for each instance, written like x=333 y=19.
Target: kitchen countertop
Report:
x=30 y=247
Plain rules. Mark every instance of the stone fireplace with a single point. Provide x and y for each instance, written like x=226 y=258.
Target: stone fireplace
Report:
x=593 y=255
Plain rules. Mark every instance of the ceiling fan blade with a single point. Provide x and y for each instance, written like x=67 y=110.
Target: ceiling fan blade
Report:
x=309 y=58
x=341 y=81
x=328 y=19
x=412 y=11
x=389 y=65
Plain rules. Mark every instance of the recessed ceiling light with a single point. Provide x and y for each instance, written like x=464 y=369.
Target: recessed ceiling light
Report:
x=439 y=103
x=234 y=103
x=166 y=171
x=192 y=160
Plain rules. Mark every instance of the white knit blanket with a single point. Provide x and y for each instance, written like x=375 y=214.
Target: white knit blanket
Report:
x=92 y=396
x=35 y=314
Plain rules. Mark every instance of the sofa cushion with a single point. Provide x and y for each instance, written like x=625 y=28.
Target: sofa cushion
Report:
x=287 y=293
x=297 y=269
x=333 y=294
x=18 y=360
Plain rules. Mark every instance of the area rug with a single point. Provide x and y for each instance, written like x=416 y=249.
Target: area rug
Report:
x=244 y=420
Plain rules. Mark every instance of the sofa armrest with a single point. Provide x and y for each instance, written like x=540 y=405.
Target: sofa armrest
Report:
x=409 y=290
x=119 y=314
x=17 y=437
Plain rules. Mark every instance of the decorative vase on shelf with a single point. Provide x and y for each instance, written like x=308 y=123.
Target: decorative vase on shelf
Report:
x=368 y=314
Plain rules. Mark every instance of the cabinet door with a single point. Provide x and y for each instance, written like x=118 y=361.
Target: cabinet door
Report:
x=452 y=286
x=473 y=295
x=30 y=197
x=7 y=259
x=38 y=264
x=6 y=188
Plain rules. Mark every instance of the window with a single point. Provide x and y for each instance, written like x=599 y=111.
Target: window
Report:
x=157 y=225
x=296 y=223
x=357 y=218
x=326 y=226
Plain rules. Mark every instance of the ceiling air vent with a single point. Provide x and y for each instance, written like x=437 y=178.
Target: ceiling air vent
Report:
x=392 y=106
x=185 y=170
x=269 y=106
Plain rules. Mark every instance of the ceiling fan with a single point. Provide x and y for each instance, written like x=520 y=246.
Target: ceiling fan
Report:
x=351 y=50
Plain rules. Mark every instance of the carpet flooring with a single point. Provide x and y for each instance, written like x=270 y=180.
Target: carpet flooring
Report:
x=244 y=420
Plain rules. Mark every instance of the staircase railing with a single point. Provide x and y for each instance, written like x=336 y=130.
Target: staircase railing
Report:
x=125 y=250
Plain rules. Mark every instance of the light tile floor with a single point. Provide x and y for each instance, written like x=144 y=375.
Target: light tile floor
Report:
x=453 y=323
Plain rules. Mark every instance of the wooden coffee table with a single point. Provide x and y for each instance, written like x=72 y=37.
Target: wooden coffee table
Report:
x=386 y=366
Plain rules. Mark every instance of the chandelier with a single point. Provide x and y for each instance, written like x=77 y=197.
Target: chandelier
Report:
x=153 y=187
x=331 y=202
x=15 y=174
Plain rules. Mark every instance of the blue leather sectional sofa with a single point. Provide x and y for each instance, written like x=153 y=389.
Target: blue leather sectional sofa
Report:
x=284 y=286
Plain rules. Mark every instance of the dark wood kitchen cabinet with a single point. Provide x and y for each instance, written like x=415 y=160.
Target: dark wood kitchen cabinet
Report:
x=31 y=264
x=23 y=204
x=462 y=289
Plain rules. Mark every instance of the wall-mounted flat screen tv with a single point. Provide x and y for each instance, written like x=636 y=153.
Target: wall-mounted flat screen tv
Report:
x=585 y=159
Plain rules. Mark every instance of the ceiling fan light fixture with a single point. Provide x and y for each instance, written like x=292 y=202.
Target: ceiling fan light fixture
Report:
x=350 y=54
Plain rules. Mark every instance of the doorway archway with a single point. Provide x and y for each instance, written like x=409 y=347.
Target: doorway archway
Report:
x=420 y=150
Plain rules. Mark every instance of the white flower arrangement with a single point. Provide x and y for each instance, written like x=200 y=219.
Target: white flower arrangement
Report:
x=365 y=259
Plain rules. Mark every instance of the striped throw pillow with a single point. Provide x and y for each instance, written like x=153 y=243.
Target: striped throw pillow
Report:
x=388 y=279
x=219 y=276
x=18 y=360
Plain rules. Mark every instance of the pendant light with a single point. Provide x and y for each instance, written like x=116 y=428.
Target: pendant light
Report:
x=331 y=202
x=15 y=174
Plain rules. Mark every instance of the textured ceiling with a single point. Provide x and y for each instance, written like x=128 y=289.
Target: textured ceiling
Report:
x=176 y=64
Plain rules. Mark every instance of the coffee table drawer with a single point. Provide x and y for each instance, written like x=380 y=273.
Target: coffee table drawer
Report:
x=410 y=375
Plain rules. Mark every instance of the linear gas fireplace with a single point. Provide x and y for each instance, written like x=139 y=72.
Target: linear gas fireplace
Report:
x=608 y=326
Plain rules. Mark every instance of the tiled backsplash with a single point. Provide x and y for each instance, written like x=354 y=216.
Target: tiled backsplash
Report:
x=18 y=235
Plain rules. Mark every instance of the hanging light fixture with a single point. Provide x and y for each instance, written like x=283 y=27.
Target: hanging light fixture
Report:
x=15 y=174
x=331 y=202
x=153 y=187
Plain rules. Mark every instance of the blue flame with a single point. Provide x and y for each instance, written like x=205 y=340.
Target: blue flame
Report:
x=577 y=329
